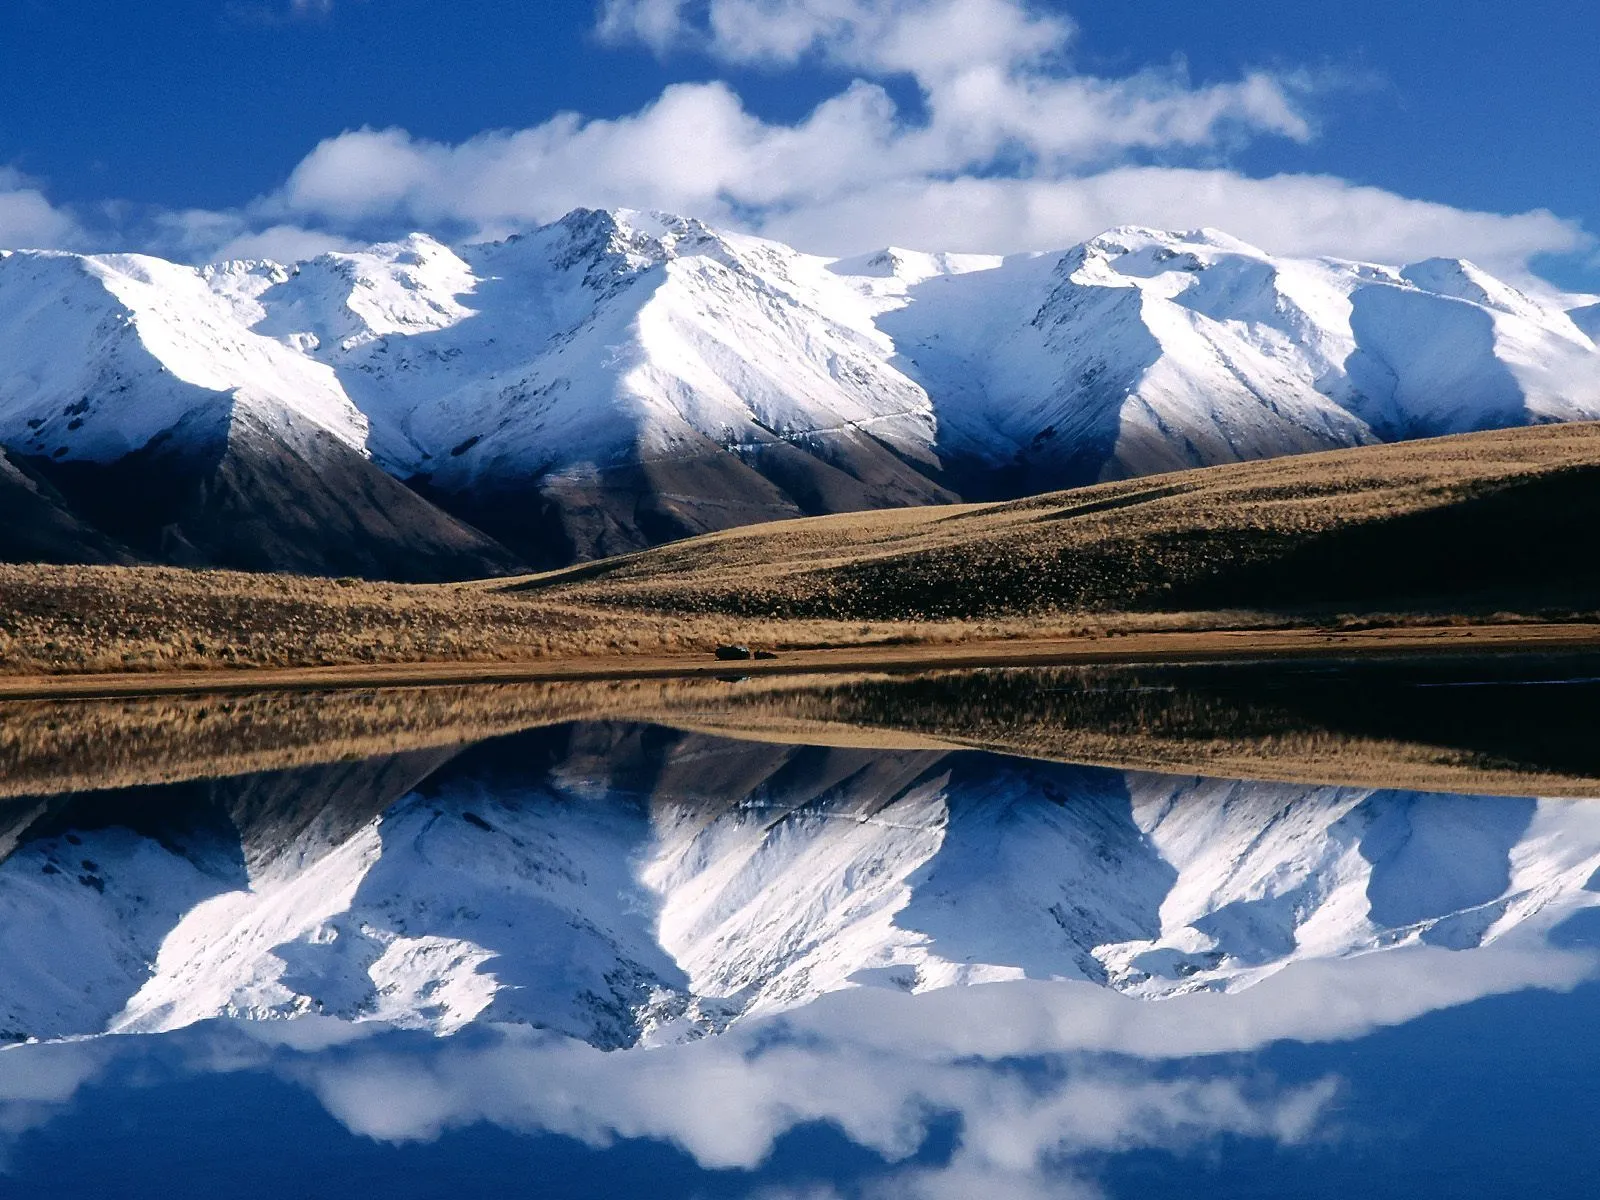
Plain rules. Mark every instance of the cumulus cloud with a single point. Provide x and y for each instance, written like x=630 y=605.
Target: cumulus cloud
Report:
x=37 y=1083
x=1114 y=1072
x=1284 y=214
x=1325 y=1000
x=993 y=74
x=659 y=24
x=27 y=218
x=994 y=100
x=1008 y=147
x=201 y=235
x=851 y=176
x=281 y=243
x=697 y=148
x=925 y=38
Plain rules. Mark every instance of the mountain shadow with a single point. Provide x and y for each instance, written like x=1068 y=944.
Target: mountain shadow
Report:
x=37 y=525
x=247 y=499
x=1527 y=542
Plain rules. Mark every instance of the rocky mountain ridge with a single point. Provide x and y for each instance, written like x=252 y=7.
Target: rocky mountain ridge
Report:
x=619 y=379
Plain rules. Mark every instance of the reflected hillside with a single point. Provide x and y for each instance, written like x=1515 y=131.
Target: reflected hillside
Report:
x=1493 y=725
x=1479 y=725
x=628 y=884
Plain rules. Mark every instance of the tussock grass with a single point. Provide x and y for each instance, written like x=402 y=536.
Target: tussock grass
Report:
x=60 y=747
x=96 y=619
x=1485 y=520
x=1490 y=526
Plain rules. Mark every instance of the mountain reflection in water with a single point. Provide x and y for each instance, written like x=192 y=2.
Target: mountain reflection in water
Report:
x=607 y=950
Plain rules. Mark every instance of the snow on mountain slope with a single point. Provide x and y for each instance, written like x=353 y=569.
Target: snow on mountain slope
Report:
x=171 y=431
x=999 y=869
x=627 y=885
x=1587 y=318
x=1141 y=351
x=617 y=379
x=103 y=353
x=718 y=378
x=519 y=909
x=83 y=918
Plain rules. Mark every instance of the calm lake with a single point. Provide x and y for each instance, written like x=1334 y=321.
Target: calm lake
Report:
x=1255 y=931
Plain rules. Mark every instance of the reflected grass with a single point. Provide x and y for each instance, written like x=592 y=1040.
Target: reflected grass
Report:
x=1515 y=725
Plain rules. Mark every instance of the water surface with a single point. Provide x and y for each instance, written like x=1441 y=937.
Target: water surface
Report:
x=599 y=955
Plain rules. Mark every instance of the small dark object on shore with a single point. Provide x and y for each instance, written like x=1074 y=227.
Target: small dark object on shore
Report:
x=733 y=653
x=766 y=654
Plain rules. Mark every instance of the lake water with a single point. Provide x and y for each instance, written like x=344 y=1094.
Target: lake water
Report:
x=821 y=942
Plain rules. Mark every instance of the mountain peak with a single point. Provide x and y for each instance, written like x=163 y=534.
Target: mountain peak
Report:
x=1464 y=280
x=622 y=376
x=911 y=266
x=1136 y=239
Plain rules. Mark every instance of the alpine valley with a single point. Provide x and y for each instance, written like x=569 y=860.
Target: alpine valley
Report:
x=616 y=380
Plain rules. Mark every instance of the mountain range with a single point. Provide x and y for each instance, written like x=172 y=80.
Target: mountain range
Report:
x=618 y=379
x=630 y=884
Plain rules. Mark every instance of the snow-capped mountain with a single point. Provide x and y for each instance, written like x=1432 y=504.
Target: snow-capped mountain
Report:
x=136 y=396
x=628 y=884
x=617 y=379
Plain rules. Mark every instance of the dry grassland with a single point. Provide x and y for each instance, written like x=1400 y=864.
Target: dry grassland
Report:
x=1504 y=517
x=57 y=747
x=1491 y=526
x=155 y=619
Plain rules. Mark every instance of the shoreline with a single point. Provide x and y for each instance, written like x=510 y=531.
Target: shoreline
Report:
x=1132 y=649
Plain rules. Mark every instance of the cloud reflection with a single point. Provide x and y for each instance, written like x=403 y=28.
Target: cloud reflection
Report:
x=1040 y=1080
x=1036 y=1073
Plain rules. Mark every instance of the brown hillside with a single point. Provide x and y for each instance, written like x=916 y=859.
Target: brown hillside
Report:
x=1477 y=525
x=1506 y=518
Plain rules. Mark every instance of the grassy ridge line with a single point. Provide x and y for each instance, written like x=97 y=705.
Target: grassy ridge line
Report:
x=1471 y=525
x=1500 y=518
x=157 y=619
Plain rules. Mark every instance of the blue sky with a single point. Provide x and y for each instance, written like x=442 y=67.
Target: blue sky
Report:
x=1365 y=128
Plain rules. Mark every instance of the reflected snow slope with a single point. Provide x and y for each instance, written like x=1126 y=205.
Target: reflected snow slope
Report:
x=632 y=885
x=602 y=959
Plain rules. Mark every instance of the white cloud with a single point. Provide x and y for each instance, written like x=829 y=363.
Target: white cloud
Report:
x=28 y=219
x=1010 y=148
x=725 y=1101
x=37 y=1083
x=925 y=38
x=995 y=101
x=1284 y=214
x=992 y=72
x=659 y=24
x=878 y=1063
x=852 y=175
x=280 y=243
